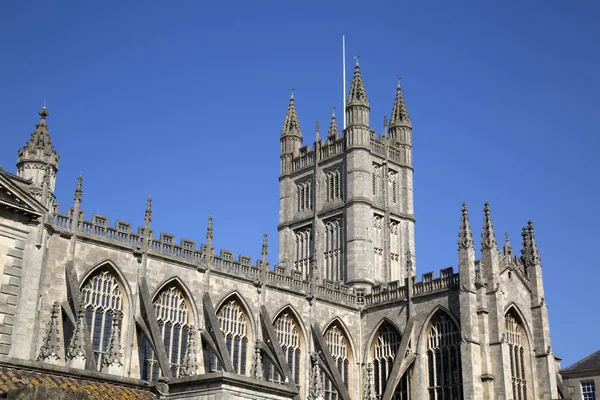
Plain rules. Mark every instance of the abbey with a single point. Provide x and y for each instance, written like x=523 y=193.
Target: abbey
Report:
x=112 y=310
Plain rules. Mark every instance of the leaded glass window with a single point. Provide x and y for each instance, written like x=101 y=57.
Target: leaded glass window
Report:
x=172 y=315
x=515 y=337
x=387 y=342
x=339 y=348
x=443 y=359
x=234 y=325
x=101 y=297
x=289 y=337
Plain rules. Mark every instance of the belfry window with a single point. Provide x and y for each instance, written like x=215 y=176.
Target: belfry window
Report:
x=101 y=297
x=289 y=337
x=515 y=337
x=339 y=348
x=333 y=251
x=172 y=314
x=387 y=342
x=234 y=325
x=333 y=185
x=443 y=359
x=304 y=195
x=302 y=252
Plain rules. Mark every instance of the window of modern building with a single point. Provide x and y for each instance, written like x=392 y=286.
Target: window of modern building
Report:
x=588 y=390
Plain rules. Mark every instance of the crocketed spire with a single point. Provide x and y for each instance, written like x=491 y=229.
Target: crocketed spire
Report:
x=50 y=349
x=315 y=388
x=357 y=94
x=529 y=253
x=77 y=348
x=190 y=360
x=113 y=353
x=79 y=190
x=291 y=124
x=265 y=247
x=465 y=237
x=508 y=251
x=333 y=133
x=488 y=237
x=399 y=115
x=209 y=231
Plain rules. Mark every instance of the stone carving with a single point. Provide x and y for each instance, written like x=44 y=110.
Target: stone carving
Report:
x=50 y=349
x=256 y=370
x=190 y=361
x=465 y=237
x=315 y=389
x=529 y=253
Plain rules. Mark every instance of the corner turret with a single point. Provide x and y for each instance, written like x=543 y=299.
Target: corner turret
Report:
x=291 y=137
x=357 y=105
x=38 y=159
x=400 y=131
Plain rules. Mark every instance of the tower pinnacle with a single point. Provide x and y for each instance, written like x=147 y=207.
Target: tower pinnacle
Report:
x=357 y=94
x=291 y=124
x=399 y=115
x=333 y=133
x=530 y=255
x=465 y=237
x=488 y=237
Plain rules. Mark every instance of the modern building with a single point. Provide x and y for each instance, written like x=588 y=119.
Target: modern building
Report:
x=90 y=305
x=581 y=379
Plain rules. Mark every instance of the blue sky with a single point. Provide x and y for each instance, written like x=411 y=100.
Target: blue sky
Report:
x=185 y=100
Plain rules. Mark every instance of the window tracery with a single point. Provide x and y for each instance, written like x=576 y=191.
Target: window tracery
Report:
x=234 y=325
x=289 y=337
x=515 y=337
x=443 y=359
x=333 y=250
x=172 y=315
x=101 y=297
x=339 y=348
x=304 y=195
x=384 y=352
x=302 y=251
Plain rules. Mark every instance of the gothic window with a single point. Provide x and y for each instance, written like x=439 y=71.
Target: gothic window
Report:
x=302 y=252
x=376 y=176
x=394 y=250
x=234 y=325
x=515 y=337
x=443 y=359
x=378 y=225
x=386 y=344
x=333 y=250
x=340 y=352
x=304 y=194
x=393 y=186
x=588 y=390
x=333 y=184
x=172 y=315
x=289 y=337
x=101 y=297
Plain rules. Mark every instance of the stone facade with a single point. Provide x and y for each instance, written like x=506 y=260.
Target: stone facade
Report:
x=341 y=316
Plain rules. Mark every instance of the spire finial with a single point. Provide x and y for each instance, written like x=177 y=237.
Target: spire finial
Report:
x=357 y=94
x=209 y=231
x=356 y=57
x=148 y=213
x=507 y=247
x=332 y=109
x=333 y=132
x=465 y=237
x=530 y=255
x=265 y=248
x=399 y=112
x=44 y=112
x=317 y=131
x=488 y=237
x=79 y=189
x=291 y=124
x=50 y=346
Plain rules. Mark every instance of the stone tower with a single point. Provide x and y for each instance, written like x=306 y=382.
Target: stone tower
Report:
x=347 y=197
x=38 y=161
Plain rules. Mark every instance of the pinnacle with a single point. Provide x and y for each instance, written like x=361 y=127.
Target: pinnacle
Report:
x=357 y=94
x=399 y=113
x=291 y=124
x=148 y=214
x=507 y=247
x=79 y=190
x=488 y=237
x=265 y=247
x=465 y=237
x=209 y=231
x=333 y=133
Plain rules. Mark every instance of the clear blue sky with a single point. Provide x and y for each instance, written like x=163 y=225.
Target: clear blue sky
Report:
x=184 y=101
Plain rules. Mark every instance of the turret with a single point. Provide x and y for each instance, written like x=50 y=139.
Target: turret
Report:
x=400 y=132
x=38 y=158
x=333 y=134
x=291 y=137
x=357 y=105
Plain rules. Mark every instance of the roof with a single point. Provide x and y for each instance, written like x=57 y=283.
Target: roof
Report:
x=18 y=379
x=590 y=362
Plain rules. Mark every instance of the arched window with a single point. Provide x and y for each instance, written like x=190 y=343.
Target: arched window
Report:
x=333 y=250
x=385 y=347
x=290 y=339
x=302 y=251
x=376 y=176
x=333 y=185
x=304 y=195
x=443 y=359
x=393 y=186
x=339 y=348
x=515 y=337
x=234 y=325
x=101 y=297
x=172 y=314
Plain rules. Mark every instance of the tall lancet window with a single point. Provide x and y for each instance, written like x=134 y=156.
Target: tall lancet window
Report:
x=304 y=194
x=234 y=325
x=393 y=187
x=333 y=250
x=385 y=347
x=339 y=348
x=333 y=184
x=395 y=250
x=302 y=252
x=101 y=297
x=172 y=315
x=443 y=359
x=376 y=179
x=378 y=226
x=290 y=339
x=515 y=337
